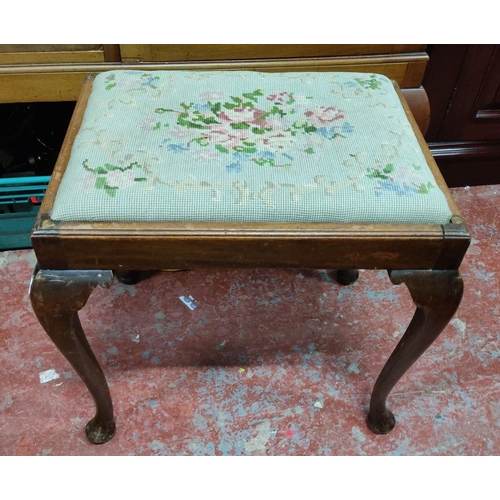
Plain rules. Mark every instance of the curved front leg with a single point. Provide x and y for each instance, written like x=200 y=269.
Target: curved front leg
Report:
x=56 y=297
x=346 y=276
x=437 y=295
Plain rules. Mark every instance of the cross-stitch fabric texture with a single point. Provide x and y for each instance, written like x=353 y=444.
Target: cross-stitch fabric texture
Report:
x=247 y=146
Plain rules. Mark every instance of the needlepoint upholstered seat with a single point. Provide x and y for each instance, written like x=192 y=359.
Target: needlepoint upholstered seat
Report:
x=189 y=169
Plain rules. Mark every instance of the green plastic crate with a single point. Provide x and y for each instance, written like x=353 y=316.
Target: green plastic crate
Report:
x=20 y=199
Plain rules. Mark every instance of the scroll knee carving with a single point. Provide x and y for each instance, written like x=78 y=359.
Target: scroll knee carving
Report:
x=437 y=295
x=56 y=297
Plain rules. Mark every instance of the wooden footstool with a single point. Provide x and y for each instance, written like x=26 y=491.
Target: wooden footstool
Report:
x=236 y=169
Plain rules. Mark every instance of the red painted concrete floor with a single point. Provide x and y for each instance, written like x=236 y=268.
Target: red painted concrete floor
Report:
x=271 y=362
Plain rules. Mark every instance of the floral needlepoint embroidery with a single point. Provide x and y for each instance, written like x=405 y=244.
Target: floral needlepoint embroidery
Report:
x=247 y=146
x=263 y=129
x=249 y=132
x=110 y=178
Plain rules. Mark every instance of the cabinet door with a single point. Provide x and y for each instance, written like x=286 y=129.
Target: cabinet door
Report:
x=473 y=113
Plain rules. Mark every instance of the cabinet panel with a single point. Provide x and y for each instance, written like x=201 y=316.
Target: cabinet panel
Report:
x=463 y=84
x=214 y=52
x=50 y=53
x=474 y=110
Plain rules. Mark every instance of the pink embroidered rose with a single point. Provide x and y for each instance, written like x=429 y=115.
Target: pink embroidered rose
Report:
x=280 y=97
x=225 y=137
x=276 y=141
x=240 y=115
x=323 y=117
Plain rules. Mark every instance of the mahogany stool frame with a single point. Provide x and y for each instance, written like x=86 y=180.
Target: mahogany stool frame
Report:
x=75 y=257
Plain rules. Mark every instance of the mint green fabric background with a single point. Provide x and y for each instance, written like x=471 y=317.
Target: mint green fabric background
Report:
x=247 y=146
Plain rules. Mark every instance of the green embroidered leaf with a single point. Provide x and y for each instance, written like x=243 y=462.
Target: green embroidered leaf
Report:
x=201 y=141
x=100 y=170
x=228 y=105
x=241 y=149
x=220 y=148
x=163 y=110
x=186 y=106
x=207 y=120
x=372 y=83
x=110 y=167
x=417 y=167
x=100 y=182
x=109 y=86
x=388 y=168
x=377 y=175
x=241 y=125
x=258 y=130
x=425 y=188
x=250 y=96
x=246 y=143
x=264 y=161
x=186 y=123
x=111 y=191
x=140 y=179
x=237 y=100
x=216 y=108
x=157 y=126
x=277 y=111
x=309 y=150
x=310 y=128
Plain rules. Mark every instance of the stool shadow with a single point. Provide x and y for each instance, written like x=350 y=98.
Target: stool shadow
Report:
x=288 y=331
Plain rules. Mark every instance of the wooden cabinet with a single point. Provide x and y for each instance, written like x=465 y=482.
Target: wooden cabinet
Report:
x=463 y=85
x=55 y=72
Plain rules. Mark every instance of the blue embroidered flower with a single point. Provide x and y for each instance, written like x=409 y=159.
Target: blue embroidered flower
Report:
x=176 y=148
x=266 y=154
x=238 y=155
x=234 y=167
x=202 y=107
x=326 y=132
x=398 y=188
x=347 y=128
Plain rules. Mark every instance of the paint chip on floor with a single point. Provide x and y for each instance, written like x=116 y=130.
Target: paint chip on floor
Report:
x=48 y=375
x=188 y=301
x=220 y=346
x=459 y=325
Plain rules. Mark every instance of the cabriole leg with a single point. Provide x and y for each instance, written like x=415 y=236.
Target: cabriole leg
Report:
x=437 y=295
x=56 y=297
x=346 y=276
